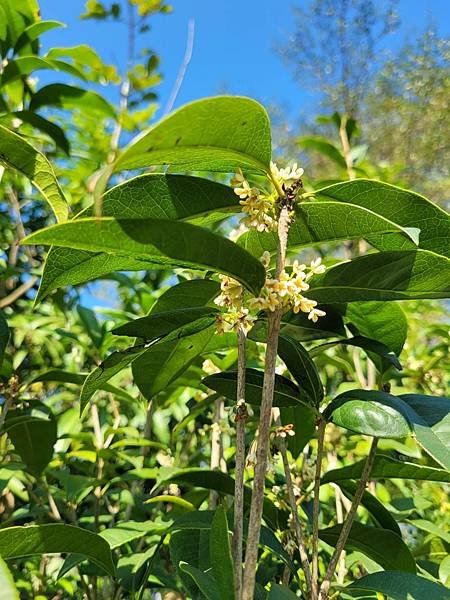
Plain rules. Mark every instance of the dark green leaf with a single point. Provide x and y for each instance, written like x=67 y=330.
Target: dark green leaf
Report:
x=165 y=361
x=381 y=545
x=189 y=294
x=162 y=242
x=378 y=512
x=372 y=347
x=286 y=392
x=4 y=336
x=159 y=324
x=317 y=222
x=220 y=553
x=33 y=438
x=204 y=580
x=69 y=97
x=223 y=133
x=400 y=586
x=107 y=369
x=18 y=154
x=303 y=418
x=16 y=542
x=370 y=413
x=384 y=276
x=301 y=366
x=215 y=480
x=406 y=208
x=278 y=592
x=55 y=132
x=385 y=467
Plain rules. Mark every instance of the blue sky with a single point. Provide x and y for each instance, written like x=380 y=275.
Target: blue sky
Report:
x=233 y=48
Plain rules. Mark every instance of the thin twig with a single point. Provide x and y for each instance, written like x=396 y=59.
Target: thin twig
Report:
x=293 y=505
x=316 y=506
x=18 y=292
x=347 y=526
x=256 y=509
x=183 y=67
x=241 y=415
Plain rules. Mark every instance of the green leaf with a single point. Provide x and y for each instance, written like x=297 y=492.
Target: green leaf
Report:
x=316 y=222
x=384 y=276
x=221 y=482
x=165 y=361
x=431 y=421
x=223 y=133
x=23 y=66
x=370 y=413
x=323 y=146
x=406 y=208
x=189 y=294
x=34 y=31
x=278 y=592
x=303 y=418
x=16 y=542
x=107 y=369
x=55 y=132
x=18 y=154
x=299 y=327
x=69 y=97
x=159 y=324
x=444 y=571
x=148 y=196
x=9 y=590
x=400 y=586
x=302 y=367
x=220 y=553
x=381 y=545
x=204 y=581
x=373 y=348
x=192 y=546
x=286 y=393
x=385 y=467
x=161 y=242
x=430 y=528
x=4 y=336
x=33 y=438
x=383 y=322
x=377 y=511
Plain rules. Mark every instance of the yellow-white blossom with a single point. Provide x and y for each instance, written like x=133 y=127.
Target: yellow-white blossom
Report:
x=315 y=313
x=231 y=292
x=286 y=175
x=233 y=320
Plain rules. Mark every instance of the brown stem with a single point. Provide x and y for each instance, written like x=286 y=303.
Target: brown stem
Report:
x=18 y=292
x=346 y=149
x=316 y=506
x=217 y=460
x=256 y=508
x=346 y=527
x=293 y=505
x=241 y=415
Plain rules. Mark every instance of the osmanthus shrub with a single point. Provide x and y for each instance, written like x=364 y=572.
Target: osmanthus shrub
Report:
x=255 y=292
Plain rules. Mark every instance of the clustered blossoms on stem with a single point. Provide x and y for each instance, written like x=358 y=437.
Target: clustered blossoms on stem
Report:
x=260 y=208
x=286 y=293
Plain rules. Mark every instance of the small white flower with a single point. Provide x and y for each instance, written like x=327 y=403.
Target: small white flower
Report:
x=315 y=314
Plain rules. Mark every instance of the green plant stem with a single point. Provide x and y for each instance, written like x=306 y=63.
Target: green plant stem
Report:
x=316 y=506
x=256 y=508
x=347 y=525
x=241 y=413
x=294 y=511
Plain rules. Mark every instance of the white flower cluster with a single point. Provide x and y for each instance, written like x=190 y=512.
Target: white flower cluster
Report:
x=260 y=208
x=286 y=293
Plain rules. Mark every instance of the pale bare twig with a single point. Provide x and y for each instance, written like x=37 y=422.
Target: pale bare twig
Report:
x=183 y=67
x=316 y=506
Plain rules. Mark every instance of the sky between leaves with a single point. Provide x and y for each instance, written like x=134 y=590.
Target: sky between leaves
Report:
x=233 y=48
